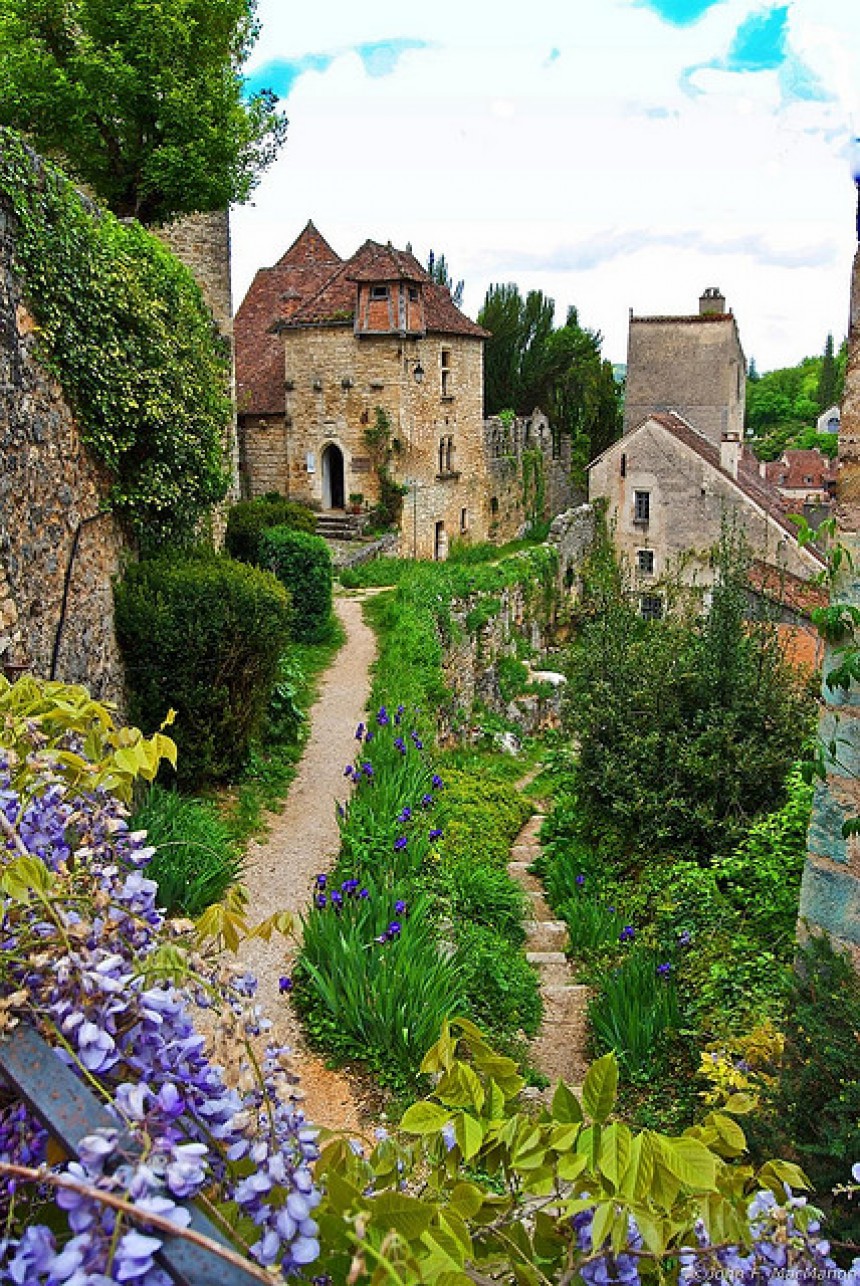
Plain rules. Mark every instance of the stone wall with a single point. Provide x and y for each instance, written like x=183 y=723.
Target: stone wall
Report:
x=58 y=552
x=830 y=893
x=202 y=243
x=692 y=365
x=504 y=444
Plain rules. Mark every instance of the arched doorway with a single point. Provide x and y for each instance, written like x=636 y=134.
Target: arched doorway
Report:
x=332 y=477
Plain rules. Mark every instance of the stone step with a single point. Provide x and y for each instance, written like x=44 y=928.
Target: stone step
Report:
x=519 y=871
x=558 y=1050
x=552 y=966
x=541 y=909
x=545 y=935
x=524 y=852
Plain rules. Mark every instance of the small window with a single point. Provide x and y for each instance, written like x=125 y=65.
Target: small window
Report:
x=641 y=506
x=413 y=294
x=623 y=464
x=494 y=505
x=446 y=372
x=378 y=292
x=464 y=519
x=645 y=561
x=651 y=607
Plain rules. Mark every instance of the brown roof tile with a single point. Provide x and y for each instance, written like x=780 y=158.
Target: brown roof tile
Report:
x=796 y=465
x=784 y=587
x=335 y=300
x=274 y=295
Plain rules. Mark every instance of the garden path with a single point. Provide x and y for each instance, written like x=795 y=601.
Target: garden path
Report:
x=303 y=839
x=558 y=1050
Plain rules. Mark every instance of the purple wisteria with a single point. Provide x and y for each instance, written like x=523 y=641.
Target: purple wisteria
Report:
x=76 y=962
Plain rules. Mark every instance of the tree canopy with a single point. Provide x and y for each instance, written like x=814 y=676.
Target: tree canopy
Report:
x=142 y=102
x=440 y=273
x=530 y=362
x=782 y=406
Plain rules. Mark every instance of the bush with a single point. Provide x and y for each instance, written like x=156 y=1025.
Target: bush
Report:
x=196 y=860
x=487 y=895
x=249 y=519
x=815 y=1109
x=203 y=636
x=502 y=989
x=302 y=562
x=636 y=1008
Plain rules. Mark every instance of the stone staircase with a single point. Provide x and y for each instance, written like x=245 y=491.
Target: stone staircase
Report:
x=558 y=1050
x=335 y=524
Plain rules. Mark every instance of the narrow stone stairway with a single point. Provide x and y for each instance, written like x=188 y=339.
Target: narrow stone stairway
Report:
x=558 y=1050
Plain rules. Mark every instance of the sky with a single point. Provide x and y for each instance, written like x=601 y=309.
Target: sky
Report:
x=617 y=155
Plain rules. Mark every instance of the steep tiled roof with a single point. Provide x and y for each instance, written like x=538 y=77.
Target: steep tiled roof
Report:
x=784 y=587
x=795 y=466
x=275 y=294
x=334 y=301
x=748 y=480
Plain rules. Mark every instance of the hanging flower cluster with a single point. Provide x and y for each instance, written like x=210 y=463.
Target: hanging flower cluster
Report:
x=82 y=950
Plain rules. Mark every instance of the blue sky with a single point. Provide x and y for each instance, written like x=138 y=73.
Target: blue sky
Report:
x=621 y=154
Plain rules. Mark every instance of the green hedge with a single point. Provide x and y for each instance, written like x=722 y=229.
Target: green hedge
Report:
x=202 y=635
x=302 y=563
x=249 y=519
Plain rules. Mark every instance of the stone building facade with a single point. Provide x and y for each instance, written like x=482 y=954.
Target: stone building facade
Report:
x=681 y=470
x=693 y=365
x=830 y=893
x=58 y=549
x=668 y=489
x=346 y=365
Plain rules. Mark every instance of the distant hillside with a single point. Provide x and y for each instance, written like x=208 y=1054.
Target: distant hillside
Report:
x=782 y=406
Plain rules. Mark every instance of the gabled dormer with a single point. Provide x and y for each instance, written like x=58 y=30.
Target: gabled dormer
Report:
x=389 y=287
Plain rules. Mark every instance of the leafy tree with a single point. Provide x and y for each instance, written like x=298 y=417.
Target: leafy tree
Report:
x=687 y=727
x=828 y=377
x=530 y=362
x=438 y=270
x=142 y=102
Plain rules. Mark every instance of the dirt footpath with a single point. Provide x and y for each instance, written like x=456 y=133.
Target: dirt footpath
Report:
x=303 y=840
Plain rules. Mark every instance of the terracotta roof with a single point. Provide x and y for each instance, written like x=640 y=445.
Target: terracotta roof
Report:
x=795 y=466
x=274 y=295
x=335 y=300
x=748 y=480
x=784 y=587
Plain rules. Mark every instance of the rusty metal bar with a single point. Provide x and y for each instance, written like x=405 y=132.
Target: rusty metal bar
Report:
x=69 y=1111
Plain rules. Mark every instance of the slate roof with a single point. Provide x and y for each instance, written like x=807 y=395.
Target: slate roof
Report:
x=274 y=295
x=311 y=285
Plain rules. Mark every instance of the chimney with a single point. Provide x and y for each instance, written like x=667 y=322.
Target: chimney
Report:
x=711 y=300
x=730 y=453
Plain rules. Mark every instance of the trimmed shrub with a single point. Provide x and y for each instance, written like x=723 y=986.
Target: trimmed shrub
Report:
x=249 y=519
x=302 y=562
x=196 y=860
x=202 y=635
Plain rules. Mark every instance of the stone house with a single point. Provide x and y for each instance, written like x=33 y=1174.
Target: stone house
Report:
x=681 y=469
x=345 y=366
x=804 y=478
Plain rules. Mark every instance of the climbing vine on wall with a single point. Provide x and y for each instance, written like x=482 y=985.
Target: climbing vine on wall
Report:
x=124 y=329
x=534 y=487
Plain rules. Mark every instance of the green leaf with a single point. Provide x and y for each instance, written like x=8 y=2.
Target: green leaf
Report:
x=604 y=1214
x=600 y=1087
x=690 y=1162
x=614 y=1152
x=424 y=1118
x=469 y=1135
x=407 y=1216
x=466 y=1199
x=565 y=1105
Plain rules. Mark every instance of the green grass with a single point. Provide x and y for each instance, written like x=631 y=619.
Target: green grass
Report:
x=196 y=858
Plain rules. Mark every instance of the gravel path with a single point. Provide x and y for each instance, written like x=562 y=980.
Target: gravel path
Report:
x=303 y=840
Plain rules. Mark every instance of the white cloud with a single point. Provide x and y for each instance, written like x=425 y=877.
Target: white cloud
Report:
x=506 y=159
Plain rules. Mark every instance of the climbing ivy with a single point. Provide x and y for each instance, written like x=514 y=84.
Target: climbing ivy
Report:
x=534 y=487
x=123 y=327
